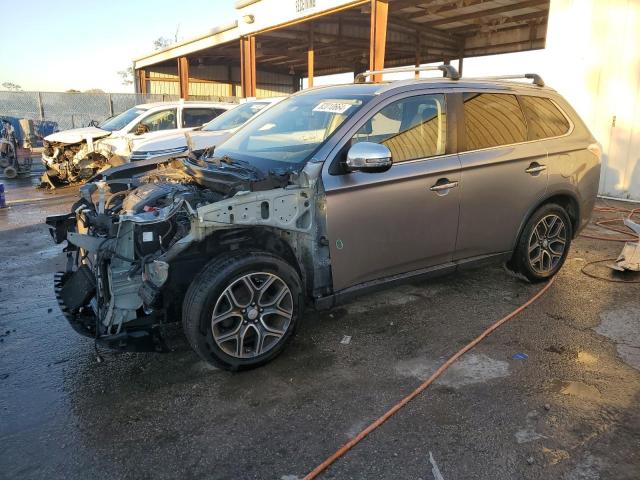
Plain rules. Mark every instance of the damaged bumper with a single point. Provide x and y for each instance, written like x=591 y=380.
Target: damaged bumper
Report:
x=125 y=321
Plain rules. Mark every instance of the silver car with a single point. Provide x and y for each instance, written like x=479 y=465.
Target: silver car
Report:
x=330 y=193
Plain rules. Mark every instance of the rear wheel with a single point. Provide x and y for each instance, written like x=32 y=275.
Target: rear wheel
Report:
x=10 y=172
x=544 y=243
x=241 y=310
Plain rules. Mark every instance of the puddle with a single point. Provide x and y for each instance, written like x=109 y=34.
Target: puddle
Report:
x=587 y=358
x=528 y=433
x=472 y=368
x=554 y=456
x=623 y=327
x=577 y=389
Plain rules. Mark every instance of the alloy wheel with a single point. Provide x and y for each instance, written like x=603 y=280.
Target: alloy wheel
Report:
x=252 y=315
x=547 y=244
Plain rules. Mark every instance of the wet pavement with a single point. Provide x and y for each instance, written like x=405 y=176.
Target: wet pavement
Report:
x=566 y=409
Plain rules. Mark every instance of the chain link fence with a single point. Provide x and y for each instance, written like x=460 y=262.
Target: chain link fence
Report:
x=42 y=113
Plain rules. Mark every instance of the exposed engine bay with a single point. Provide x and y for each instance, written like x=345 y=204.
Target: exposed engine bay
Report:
x=67 y=163
x=135 y=244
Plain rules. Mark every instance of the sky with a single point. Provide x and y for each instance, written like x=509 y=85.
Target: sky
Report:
x=57 y=45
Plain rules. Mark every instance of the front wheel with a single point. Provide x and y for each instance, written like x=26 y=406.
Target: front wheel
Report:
x=241 y=310
x=543 y=244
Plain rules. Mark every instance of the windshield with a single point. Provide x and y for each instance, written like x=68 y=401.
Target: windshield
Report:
x=292 y=130
x=121 y=120
x=235 y=117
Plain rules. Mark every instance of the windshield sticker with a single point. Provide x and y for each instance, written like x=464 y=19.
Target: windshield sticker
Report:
x=332 y=107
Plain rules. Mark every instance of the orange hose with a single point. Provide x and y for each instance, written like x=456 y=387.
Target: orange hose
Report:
x=393 y=410
x=605 y=224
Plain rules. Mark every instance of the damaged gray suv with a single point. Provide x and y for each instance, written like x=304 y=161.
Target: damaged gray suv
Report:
x=331 y=193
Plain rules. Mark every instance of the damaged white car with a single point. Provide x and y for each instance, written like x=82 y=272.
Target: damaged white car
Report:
x=75 y=155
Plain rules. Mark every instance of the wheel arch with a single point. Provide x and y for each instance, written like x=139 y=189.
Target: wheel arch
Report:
x=566 y=200
x=274 y=241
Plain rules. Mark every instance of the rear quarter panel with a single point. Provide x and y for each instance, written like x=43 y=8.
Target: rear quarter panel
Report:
x=573 y=169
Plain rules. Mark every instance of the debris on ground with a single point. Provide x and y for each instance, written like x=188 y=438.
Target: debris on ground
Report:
x=434 y=468
x=629 y=258
x=346 y=340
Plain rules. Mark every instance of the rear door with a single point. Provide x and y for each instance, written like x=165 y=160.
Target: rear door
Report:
x=503 y=174
x=402 y=220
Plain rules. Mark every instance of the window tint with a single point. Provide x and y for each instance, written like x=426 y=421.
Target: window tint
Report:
x=543 y=118
x=162 y=120
x=411 y=128
x=492 y=119
x=196 y=117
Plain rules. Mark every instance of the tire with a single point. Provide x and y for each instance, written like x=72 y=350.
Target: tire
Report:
x=225 y=321
x=543 y=244
x=10 y=172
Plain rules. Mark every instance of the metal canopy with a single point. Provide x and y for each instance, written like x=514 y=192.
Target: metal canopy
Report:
x=417 y=32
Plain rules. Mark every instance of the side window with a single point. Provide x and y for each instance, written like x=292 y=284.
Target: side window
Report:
x=412 y=128
x=195 y=117
x=162 y=120
x=492 y=119
x=543 y=118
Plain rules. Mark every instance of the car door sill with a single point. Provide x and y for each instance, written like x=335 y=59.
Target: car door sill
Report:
x=343 y=296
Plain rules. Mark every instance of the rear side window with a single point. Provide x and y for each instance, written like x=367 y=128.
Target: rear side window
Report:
x=411 y=128
x=196 y=117
x=492 y=119
x=544 y=119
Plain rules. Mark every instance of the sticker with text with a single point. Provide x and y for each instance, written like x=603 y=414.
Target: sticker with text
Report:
x=332 y=107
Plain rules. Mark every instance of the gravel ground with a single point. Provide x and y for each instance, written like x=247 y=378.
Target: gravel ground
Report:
x=569 y=410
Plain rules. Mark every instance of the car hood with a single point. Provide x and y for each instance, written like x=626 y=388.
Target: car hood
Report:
x=200 y=139
x=77 y=135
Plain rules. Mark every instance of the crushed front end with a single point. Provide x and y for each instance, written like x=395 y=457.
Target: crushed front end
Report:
x=118 y=255
x=134 y=245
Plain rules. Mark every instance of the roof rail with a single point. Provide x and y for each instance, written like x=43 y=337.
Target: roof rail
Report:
x=448 y=70
x=537 y=79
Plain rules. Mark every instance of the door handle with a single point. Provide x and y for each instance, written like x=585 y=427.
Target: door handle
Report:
x=443 y=184
x=535 y=168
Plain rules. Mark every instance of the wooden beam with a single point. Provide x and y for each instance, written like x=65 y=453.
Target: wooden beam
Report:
x=310 y=59
x=141 y=81
x=378 y=36
x=248 y=66
x=183 y=77
x=491 y=11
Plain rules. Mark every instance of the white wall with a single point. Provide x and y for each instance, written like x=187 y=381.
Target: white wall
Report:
x=592 y=57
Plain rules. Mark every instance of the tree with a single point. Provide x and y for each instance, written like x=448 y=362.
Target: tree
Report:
x=13 y=87
x=94 y=90
x=72 y=90
x=127 y=76
x=162 y=42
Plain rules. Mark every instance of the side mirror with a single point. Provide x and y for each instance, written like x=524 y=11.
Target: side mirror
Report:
x=141 y=129
x=369 y=157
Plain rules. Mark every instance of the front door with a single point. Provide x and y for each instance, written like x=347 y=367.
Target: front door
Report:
x=402 y=220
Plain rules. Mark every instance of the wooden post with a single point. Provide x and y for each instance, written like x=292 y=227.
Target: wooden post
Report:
x=183 y=77
x=230 y=80
x=310 y=59
x=248 y=66
x=142 y=81
x=418 y=47
x=378 y=36
x=461 y=57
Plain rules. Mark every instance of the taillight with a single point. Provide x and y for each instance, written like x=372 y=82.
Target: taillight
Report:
x=595 y=149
